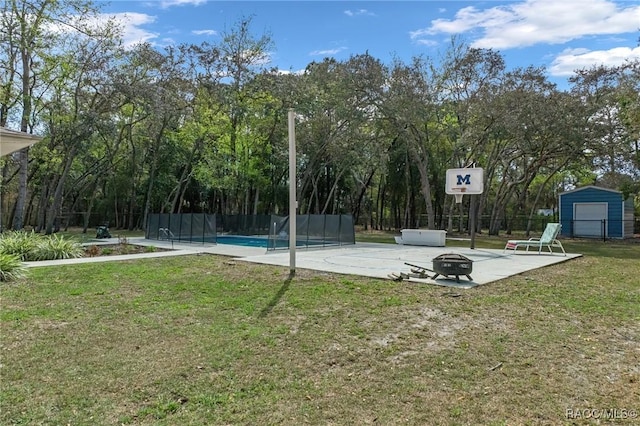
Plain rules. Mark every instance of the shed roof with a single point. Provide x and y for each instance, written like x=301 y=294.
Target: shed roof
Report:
x=11 y=141
x=582 y=188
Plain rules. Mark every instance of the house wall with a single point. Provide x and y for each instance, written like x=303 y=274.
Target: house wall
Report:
x=592 y=195
x=629 y=219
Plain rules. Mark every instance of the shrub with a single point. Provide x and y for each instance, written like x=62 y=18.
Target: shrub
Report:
x=11 y=267
x=57 y=247
x=92 y=251
x=150 y=249
x=19 y=243
x=125 y=249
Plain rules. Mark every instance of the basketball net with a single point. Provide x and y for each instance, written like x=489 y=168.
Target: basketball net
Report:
x=459 y=195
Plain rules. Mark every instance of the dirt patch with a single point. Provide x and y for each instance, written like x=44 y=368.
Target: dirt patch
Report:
x=96 y=250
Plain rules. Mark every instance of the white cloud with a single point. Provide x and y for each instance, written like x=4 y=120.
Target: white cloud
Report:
x=205 y=32
x=264 y=59
x=359 y=12
x=258 y=59
x=288 y=72
x=165 y=4
x=132 y=31
x=427 y=42
x=573 y=59
x=168 y=41
x=538 y=21
x=327 y=52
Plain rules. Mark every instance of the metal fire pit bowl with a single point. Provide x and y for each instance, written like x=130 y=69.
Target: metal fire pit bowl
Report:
x=454 y=265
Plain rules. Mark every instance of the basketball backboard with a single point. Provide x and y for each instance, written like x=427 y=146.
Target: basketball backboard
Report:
x=465 y=181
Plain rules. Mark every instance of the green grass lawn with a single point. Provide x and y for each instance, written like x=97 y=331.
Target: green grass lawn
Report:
x=200 y=340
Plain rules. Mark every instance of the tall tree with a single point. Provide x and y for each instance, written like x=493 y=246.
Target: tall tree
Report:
x=227 y=68
x=338 y=135
x=610 y=98
x=528 y=143
x=34 y=33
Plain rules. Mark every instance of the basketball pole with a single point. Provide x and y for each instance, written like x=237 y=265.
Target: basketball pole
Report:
x=472 y=219
x=472 y=216
x=293 y=203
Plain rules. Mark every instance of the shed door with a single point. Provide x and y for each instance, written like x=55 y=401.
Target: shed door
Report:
x=588 y=219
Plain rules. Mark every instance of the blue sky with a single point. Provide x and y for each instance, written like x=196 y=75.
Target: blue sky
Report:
x=561 y=35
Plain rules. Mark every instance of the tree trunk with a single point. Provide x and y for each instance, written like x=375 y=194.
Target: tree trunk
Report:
x=87 y=214
x=57 y=195
x=363 y=191
x=132 y=206
x=331 y=192
x=152 y=179
x=23 y=161
x=426 y=193
x=43 y=203
x=256 y=200
x=116 y=218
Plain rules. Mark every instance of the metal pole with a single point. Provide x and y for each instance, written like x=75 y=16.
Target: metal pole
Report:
x=293 y=203
x=472 y=220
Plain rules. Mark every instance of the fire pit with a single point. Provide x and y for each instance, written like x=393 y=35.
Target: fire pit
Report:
x=453 y=264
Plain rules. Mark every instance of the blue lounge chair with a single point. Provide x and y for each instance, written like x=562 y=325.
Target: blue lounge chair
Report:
x=548 y=239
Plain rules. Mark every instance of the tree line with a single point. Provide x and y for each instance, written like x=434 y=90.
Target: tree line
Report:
x=203 y=128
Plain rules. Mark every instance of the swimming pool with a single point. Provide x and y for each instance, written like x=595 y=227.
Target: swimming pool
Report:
x=258 y=241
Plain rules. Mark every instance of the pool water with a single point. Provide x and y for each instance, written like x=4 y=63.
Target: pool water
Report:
x=252 y=241
x=237 y=240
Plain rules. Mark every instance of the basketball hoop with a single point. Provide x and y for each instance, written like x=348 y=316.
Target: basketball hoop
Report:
x=470 y=181
x=464 y=181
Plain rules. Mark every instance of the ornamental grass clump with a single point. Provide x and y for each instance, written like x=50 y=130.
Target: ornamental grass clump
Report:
x=21 y=244
x=54 y=247
x=11 y=267
x=29 y=246
x=17 y=247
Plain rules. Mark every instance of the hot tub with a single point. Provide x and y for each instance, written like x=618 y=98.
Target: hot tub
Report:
x=422 y=237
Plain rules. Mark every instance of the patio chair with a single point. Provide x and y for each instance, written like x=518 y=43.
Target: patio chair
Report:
x=548 y=239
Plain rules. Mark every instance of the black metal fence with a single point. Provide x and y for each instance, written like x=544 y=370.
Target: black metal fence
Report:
x=518 y=224
x=270 y=231
x=186 y=227
x=600 y=228
x=572 y=228
x=243 y=224
x=313 y=230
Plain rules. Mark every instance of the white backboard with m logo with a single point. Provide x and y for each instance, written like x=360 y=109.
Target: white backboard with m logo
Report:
x=465 y=181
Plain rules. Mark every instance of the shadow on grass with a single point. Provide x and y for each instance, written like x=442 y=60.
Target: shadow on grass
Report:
x=625 y=249
x=276 y=298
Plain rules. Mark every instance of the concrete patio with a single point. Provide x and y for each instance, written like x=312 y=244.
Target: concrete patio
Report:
x=364 y=259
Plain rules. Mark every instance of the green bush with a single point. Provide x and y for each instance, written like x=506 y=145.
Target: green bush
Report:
x=19 y=243
x=29 y=246
x=55 y=247
x=11 y=267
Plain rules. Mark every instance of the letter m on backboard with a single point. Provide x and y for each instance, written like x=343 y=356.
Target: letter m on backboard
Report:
x=466 y=179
